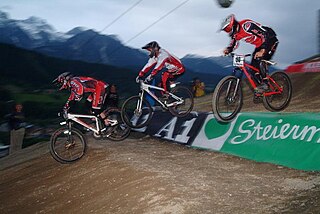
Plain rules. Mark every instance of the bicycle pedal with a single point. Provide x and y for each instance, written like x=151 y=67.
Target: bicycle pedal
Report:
x=164 y=109
x=107 y=131
x=257 y=99
x=106 y=135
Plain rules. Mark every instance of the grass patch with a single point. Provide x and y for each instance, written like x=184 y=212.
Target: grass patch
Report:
x=45 y=98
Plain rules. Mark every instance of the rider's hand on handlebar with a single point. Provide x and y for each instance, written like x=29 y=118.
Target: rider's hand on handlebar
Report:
x=149 y=78
x=138 y=78
x=65 y=112
x=226 y=52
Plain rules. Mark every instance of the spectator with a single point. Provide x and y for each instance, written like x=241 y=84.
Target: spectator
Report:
x=17 y=126
x=112 y=97
x=198 y=88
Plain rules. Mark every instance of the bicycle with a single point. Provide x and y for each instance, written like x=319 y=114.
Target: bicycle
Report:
x=68 y=144
x=228 y=99
x=137 y=112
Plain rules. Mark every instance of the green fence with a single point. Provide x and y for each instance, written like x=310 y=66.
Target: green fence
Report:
x=288 y=139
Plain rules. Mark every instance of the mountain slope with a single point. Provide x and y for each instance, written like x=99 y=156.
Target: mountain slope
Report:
x=35 y=70
x=88 y=45
x=31 y=69
x=77 y=44
x=208 y=65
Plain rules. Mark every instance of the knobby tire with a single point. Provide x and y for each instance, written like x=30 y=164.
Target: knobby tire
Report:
x=221 y=99
x=67 y=152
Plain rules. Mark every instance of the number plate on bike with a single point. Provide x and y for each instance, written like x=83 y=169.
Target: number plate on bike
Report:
x=238 y=60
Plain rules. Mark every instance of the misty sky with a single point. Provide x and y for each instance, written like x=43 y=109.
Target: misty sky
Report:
x=190 y=29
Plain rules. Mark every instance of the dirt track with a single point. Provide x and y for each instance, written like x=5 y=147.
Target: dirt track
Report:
x=150 y=176
x=146 y=175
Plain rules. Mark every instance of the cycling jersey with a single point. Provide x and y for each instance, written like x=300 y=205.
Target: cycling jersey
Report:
x=261 y=37
x=164 y=59
x=253 y=33
x=81 y=85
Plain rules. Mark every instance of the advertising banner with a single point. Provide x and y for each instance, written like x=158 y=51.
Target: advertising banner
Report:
x=304 y=67
x=289 y=139
x=181 y=130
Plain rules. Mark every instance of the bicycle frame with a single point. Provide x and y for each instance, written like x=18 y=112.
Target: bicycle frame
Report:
x=244 y=70
x=77 y=118
x=146 y=88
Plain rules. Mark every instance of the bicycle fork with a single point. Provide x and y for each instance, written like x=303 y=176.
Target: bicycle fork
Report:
x=138 y=110
x=232 y=98
x=69 y=135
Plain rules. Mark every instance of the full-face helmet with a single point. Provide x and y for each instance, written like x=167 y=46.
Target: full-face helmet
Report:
x=152 y=47
x=230 y=25
x=62 y=80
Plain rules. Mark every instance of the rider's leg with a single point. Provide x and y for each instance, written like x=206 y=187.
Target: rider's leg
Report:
x=170 y=76
x=255 y=63
x=175 y=74
x=270 y=50
x=263 y=70
x=104 y=117
x=260 y=78
x=98 y=97
x=164 y=80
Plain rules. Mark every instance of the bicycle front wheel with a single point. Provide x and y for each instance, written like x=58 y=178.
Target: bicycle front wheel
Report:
x=67 y=147
x=136 y=114
x=186 y=106
x=278 y=102
x=120 y=131
x=227 y=99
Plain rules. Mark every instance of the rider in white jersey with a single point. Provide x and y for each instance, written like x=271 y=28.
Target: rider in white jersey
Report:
x=160 y=58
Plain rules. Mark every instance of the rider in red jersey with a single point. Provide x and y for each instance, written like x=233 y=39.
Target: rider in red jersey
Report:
x=160 y=58
x=263 y=38
x=81 y=85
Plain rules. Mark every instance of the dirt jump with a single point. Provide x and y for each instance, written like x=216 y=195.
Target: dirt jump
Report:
x=143 y=174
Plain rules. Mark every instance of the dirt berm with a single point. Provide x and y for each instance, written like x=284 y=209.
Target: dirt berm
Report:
x=145 y=175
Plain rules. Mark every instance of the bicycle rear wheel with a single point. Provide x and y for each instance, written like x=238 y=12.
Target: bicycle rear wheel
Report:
x=278 y=102
x=227 y=99
x=181 y=110
x=120 y=131
x=134 y=117
x=65 y=151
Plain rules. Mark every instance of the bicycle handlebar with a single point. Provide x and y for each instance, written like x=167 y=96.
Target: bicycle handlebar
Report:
x=269 y=62
x=234 y=54
x=63 y=114
x=143 y=81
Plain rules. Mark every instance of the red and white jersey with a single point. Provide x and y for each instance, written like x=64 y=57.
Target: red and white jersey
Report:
x=164 y=59
x=81 y=85
x=251 y=32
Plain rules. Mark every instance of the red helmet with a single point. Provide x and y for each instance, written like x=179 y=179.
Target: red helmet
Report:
x=62 y=80
x=229 y=25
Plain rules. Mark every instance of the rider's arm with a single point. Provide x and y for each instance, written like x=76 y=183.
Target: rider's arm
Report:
x=70 y=100
x=69 y=104
x=233 y=45
x=152 y=61
x=157 y=68
x=77 y=91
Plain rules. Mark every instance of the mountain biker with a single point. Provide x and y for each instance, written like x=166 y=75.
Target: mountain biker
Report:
x=262 y=37
x=78 y=86
x=160 y=58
